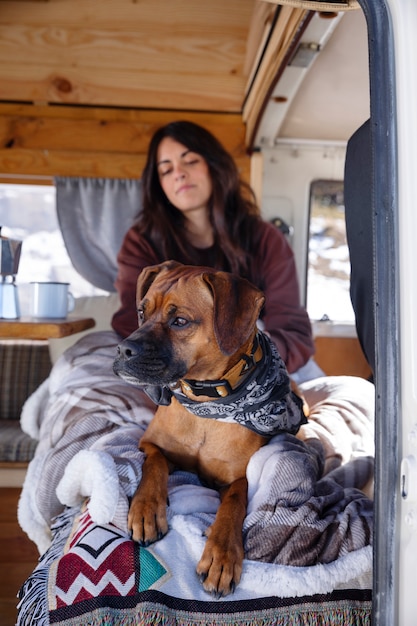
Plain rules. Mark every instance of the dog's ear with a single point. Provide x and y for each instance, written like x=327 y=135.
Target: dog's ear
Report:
x=148 y=275
x=237 y=304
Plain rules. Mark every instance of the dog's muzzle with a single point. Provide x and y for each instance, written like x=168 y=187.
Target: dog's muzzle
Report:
x=145 y=360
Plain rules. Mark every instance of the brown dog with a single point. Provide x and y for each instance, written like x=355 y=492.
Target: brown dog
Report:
x=195 y=352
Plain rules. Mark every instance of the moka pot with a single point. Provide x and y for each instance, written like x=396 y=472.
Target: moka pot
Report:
x=9 y=263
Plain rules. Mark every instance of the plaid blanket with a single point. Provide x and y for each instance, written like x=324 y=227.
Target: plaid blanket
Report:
x=306 y=534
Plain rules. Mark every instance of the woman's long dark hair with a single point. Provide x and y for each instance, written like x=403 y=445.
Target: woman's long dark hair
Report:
x=232 y=205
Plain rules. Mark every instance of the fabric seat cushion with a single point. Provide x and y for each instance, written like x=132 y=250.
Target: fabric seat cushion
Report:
x=24 y=365
x=15 y=445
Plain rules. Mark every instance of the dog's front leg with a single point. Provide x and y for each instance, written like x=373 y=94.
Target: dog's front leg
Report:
x=147 y=517
x=220 y=566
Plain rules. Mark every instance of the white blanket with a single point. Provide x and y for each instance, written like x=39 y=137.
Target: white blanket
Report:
x=319 y=528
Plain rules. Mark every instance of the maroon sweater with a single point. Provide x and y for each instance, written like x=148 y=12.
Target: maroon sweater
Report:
x=273 y=272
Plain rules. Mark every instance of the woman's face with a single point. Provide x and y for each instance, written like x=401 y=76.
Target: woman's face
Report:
x=184 y=176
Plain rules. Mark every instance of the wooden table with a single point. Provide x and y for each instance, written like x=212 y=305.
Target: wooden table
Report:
x=31 y=328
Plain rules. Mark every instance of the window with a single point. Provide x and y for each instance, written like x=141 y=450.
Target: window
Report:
x=27 y=212
x=328 y=276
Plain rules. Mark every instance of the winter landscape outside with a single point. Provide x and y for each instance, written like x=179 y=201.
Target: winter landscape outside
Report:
x=27 y=212
x=329 y=265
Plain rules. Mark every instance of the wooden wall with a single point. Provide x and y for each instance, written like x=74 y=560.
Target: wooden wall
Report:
x=84 y=84
x=136 y=63
x=59 y=140
x=341 y=356
x=182 y=55
x=18 y=556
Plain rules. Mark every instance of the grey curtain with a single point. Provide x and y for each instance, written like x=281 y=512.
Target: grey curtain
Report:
x=94 y=214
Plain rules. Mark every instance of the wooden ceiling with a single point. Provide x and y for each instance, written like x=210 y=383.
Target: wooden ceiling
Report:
x=84 y=83
x=158 y=54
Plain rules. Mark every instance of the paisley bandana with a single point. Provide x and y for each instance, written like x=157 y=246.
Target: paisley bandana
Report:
x=264 y=403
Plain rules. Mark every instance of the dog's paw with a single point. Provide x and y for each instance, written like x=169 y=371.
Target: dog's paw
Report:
x=220 y=567
x=147 y=521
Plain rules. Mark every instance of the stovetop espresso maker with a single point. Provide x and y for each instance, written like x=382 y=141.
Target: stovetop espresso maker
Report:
x=9 y=263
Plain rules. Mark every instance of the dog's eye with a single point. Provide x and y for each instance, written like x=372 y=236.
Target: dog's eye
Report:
x=141 y=316
x=180 y=321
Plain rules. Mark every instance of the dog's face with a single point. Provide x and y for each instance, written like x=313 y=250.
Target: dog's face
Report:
x=192 y=320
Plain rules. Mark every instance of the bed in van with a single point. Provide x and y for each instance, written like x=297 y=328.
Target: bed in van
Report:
x=303 y=93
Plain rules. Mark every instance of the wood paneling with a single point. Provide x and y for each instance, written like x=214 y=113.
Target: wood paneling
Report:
x=18 y=556
x=112 y=130
x=158 y=54
x=341 y=356
x=177 y=56
x=97 y=142
x=285 y=30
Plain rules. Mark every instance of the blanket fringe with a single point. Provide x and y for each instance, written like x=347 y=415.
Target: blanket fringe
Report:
x=33 y=592
x=153 y=616
x=32 y=607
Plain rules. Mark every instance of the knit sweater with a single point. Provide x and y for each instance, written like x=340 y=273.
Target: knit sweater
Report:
x=273 y=271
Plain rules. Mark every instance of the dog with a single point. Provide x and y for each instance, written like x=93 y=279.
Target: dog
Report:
x=196 y=353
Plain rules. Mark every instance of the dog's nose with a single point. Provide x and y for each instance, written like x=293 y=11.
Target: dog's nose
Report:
x=127 y=349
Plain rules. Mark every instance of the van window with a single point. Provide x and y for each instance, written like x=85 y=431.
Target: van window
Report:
x=328 y=273
x=27 y=212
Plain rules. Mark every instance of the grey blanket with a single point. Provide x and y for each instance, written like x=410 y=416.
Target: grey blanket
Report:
x=305 y=506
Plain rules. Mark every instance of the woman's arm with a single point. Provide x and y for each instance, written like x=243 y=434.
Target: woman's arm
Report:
x=135 y=254
x=285 y=319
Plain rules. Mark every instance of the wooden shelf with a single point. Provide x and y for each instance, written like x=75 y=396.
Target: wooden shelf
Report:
x=30 y=328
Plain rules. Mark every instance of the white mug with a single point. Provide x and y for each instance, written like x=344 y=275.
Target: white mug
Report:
x=51 y=300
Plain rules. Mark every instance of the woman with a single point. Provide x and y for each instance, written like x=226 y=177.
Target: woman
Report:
x=197 y=211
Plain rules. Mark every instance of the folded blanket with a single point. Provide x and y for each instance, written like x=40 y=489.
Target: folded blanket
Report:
x=81 y=402
x=296 y=518
x=89 y=429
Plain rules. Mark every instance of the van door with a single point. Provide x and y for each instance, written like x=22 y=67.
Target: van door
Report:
x=392 y=52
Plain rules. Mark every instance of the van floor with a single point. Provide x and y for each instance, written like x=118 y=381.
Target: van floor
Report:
x=18 y=555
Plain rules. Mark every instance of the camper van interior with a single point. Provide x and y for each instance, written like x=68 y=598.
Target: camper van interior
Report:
x=284 y=85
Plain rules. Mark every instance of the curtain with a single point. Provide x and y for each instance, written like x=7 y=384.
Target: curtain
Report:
x=94 y=214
